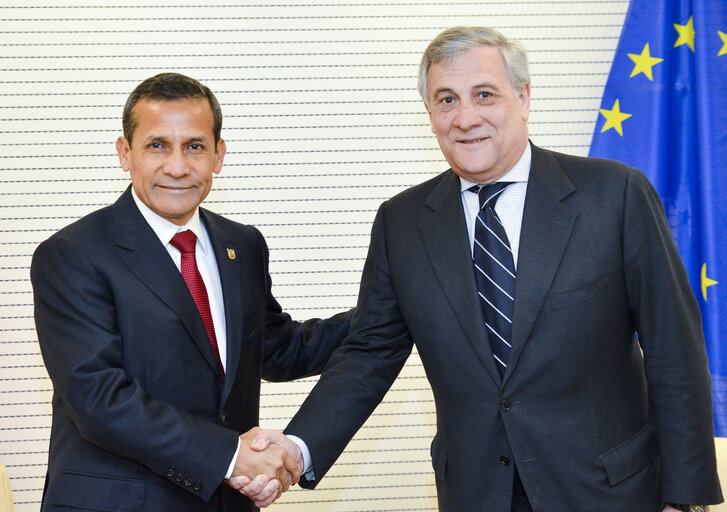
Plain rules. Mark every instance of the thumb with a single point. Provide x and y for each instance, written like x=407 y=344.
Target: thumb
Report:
x=262 y=440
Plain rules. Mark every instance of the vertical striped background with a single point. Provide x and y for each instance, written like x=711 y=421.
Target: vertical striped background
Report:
x=322 y=122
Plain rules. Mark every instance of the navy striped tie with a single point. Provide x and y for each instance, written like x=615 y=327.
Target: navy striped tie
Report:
x=494 y=272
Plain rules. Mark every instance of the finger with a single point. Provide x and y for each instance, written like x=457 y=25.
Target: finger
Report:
x=237 y=482
x=256 y=486
x=272 y=489
x=293 y=460
x=269 y=494
x=285 y=480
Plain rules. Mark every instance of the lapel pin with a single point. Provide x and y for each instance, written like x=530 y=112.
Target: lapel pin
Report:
x=231 y=253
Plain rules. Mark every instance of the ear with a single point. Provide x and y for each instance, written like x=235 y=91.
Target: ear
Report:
x=524 y=97
x=124 y=149
x=429 y=112
x=220 y=152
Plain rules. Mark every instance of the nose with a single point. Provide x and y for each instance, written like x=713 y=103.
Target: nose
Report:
x=176 y=164
x=467 y=116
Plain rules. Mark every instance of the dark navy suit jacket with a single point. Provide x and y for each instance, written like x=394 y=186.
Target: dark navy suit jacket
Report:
x=142 y=420
x=593 y=417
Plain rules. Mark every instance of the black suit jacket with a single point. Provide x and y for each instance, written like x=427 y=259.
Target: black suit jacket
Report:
x=594 y=418
x=142 y=420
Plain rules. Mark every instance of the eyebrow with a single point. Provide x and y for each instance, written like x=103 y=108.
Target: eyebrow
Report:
x=163 y=138
x=155 y=138
x=483 y=85
x=441 y=90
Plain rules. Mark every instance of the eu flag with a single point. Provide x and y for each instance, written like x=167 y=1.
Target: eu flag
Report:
x=664 y=111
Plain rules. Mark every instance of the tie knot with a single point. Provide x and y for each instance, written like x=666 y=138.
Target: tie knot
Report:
x=185 y=241
x=489 y=193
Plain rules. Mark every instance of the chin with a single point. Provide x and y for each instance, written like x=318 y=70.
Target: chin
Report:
x=474 y=172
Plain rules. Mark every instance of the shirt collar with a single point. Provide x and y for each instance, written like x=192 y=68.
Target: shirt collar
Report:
x=165 y=229
x=519 y=173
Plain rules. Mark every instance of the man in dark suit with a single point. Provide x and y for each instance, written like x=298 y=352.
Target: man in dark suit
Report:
x=550 y=310
x=156 y=372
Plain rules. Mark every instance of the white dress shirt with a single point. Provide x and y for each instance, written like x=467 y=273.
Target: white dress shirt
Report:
x=207 y=266
x=509 y=206
x=206 y=263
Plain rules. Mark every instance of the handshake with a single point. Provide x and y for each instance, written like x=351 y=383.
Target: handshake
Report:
x=267 y=464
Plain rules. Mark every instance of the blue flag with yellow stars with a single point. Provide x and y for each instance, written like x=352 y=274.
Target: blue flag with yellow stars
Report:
x=664 y=111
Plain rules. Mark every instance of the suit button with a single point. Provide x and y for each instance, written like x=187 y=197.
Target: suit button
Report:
x=223 y=417
x=179 y=479
x=188 y=483
x=170 y=473
x=506 y=405
x=197 y=486
x=504 y=460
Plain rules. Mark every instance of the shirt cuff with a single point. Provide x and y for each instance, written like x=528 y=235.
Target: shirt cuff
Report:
x=307 y=462
x=231 y=468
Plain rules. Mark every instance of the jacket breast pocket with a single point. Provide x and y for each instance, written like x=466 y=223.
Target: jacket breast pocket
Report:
x=582 y=294
x=631 y=456
x=100 y=493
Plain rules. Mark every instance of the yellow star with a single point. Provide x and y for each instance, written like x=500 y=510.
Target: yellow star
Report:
x=644 y=63
x=706 y=282
x=614 y=118
x=723 y=37
x=686 y=33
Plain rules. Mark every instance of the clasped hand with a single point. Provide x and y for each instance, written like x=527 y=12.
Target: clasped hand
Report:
x=267 y=464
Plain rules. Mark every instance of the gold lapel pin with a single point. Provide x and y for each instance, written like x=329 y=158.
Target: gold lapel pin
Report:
x=231 y=253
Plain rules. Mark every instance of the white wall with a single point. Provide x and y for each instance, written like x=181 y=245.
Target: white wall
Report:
x=322 y=123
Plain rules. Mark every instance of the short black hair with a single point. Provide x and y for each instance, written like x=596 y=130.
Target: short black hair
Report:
x=169 y=87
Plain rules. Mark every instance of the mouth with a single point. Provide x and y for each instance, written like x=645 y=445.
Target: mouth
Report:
x=174 y=188
x=473 y=140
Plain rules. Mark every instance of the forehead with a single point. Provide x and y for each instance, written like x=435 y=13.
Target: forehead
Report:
x=175 y=116
x=476 y=66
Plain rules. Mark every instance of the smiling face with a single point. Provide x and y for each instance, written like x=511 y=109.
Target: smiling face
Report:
x=172 y=155
x=479 y=121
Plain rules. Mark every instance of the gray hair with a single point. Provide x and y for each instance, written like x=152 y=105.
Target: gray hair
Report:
x=453 y=41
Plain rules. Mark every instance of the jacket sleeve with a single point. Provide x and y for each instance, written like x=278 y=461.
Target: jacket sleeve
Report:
x=359 y=373
x=83 y=350
x=293 y=349
x=669 y=324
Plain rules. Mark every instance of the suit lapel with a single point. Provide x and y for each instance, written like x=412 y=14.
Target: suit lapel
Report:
x=228 y=257
x=447 y=244
x=149 y=261
x=546 y=228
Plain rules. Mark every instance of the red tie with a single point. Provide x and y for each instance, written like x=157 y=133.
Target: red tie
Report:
x=186 y=242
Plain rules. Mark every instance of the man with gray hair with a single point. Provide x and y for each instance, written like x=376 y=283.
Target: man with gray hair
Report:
x=549 y=307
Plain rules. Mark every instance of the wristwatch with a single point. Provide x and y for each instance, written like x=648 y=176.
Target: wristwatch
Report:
x=689 y=508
